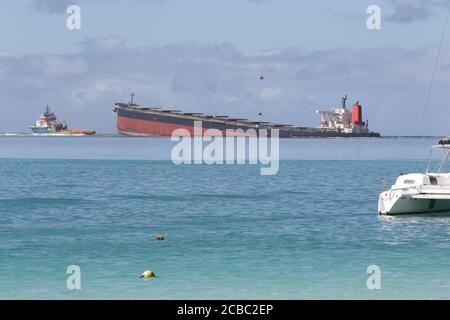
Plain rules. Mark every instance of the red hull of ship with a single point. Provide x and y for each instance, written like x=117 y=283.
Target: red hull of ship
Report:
x=138 y=127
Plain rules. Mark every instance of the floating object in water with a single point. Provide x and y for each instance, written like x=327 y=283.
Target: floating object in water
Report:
x=147 y=274
x=261 y=77
x=159 y=237
x=419 y=192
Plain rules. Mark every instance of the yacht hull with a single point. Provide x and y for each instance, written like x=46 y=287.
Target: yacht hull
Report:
x=410 y=205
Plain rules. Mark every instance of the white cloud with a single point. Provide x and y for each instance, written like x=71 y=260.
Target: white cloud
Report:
x=59 y=66
x=99 y=89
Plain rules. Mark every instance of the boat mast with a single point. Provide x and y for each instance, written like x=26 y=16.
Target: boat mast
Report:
x=344 y=100
x=132 y=98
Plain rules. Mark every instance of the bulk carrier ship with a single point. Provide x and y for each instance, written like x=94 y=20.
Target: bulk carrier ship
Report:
x=136 y=120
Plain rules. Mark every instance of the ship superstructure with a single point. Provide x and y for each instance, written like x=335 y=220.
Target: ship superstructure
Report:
x=48 y=123
x=343 y=120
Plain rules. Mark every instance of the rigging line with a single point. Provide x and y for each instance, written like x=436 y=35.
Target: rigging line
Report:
x=430 y=88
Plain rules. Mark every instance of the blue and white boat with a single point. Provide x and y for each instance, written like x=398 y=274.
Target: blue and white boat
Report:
x=47 y=123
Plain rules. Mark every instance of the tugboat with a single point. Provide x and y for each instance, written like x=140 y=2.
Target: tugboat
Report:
x=48 y=124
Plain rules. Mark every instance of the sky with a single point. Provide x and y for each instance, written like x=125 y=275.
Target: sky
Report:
x=207 y=56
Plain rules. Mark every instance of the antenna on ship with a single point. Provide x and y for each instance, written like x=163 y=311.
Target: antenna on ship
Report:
x=344 y=99
x=132 y=98
x=47 y=110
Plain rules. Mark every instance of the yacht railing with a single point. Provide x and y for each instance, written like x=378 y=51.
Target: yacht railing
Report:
x=443 y=162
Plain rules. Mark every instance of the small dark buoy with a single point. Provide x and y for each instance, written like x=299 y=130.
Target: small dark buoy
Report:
x=261 y=77
x=159 y=237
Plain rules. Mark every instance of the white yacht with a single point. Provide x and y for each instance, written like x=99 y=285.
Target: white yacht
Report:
x=419 y=192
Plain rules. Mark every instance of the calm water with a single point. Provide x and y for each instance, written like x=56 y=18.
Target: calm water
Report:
x=309 y=232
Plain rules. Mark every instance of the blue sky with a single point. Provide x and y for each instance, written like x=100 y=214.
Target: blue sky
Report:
x=206 y=56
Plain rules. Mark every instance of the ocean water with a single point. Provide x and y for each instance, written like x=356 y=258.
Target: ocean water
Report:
x=309 y=232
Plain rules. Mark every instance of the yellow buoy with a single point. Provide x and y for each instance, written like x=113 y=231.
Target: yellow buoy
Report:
x=147 y=274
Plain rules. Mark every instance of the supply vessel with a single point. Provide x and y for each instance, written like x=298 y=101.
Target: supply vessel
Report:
x=47 y=124
x=136 y=120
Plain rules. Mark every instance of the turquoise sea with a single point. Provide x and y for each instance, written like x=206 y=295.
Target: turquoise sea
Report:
x=308 y=232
